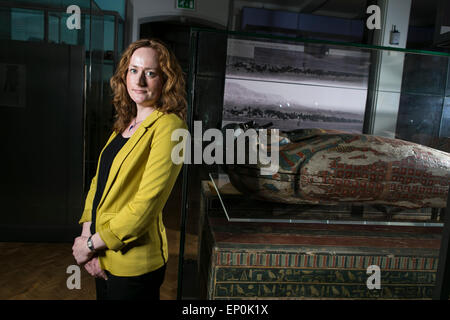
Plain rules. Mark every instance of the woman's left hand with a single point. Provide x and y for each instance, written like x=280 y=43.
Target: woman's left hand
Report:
x=94 y=269
x=80 y=250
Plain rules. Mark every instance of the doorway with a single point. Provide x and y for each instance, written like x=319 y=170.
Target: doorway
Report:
x=175 y=33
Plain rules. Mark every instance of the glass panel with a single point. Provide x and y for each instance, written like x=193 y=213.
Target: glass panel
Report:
x=445 y=123
x=54 y=29
x=425 y=74
x=296 y=85
x=447 y=87
x=121 y=39
x=87 y=32
x=93 y=5
x=109 y=33
x=27 y=25
x=412 y=125
x=21 y=80
x=5 y=23
x=84 y=4
x=303 y=84
x=59 y=33
x=96 y=122
x=70 y=36
x=108 y=71
x=310 y=86
x=116 y=5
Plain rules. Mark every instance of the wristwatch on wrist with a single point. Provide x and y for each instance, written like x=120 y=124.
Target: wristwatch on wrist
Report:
x=90 y=244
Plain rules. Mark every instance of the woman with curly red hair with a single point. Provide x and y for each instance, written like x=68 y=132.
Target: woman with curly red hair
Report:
x=123 y=242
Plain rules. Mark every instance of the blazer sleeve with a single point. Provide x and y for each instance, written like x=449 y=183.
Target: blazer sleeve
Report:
x=158 y=179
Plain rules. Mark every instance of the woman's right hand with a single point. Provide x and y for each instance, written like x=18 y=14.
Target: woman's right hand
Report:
x=94 y=269
x=93 y=265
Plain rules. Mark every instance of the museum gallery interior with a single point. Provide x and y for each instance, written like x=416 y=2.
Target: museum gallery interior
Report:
x=316 y=162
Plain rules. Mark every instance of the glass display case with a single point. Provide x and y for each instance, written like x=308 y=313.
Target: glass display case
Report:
x=350 y=172
x=39 y=53
x=101 y=35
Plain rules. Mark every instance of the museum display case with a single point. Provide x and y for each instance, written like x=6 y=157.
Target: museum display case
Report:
x=40 y=53
x=312 y=163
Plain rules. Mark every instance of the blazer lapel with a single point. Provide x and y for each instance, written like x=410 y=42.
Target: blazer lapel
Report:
x=126 y=149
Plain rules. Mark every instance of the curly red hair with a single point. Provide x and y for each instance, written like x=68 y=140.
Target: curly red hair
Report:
x=173 y=95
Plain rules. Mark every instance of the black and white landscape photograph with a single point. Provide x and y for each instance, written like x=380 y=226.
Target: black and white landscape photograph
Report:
x=296 y=86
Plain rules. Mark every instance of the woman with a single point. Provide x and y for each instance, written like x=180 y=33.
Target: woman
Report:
x=123 y=242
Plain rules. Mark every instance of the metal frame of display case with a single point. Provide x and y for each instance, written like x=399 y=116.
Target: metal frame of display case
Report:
x=186 y=171
x=442 y=288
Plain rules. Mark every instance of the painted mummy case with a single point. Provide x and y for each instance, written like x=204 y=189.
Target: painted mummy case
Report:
x=329 y=167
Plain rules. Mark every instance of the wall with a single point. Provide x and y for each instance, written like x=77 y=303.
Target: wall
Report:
x=390 y=73
x=213 y=11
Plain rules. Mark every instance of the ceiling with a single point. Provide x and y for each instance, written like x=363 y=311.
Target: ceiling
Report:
x=423 y=12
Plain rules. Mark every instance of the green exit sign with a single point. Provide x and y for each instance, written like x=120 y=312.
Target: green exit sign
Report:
x=186 y=4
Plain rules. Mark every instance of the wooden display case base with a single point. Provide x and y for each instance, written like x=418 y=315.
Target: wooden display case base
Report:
x=247 y=260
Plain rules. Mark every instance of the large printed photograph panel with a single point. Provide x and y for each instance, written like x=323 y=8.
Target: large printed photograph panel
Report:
x=296 y=86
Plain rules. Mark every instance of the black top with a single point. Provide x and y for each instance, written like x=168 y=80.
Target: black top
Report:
x=106 y=160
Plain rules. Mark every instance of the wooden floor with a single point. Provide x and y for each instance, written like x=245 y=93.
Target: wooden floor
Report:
x=39 y=270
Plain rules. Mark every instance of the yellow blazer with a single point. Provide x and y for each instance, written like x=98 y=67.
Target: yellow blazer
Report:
x=129 y=214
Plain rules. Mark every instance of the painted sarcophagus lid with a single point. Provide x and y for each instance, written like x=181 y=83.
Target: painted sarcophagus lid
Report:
x=330 y=167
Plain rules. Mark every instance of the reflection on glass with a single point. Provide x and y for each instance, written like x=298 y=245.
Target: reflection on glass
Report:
x=445 y=122
x=412 y=124
x=54 y=31
x=425 y=74
x=5 y=23
x=87 y=32
x=120 y=47
x=290 y=83
x=265 y=72
x=69 y=36
x=27 y=25
x=83 y=4
x=109 y=33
